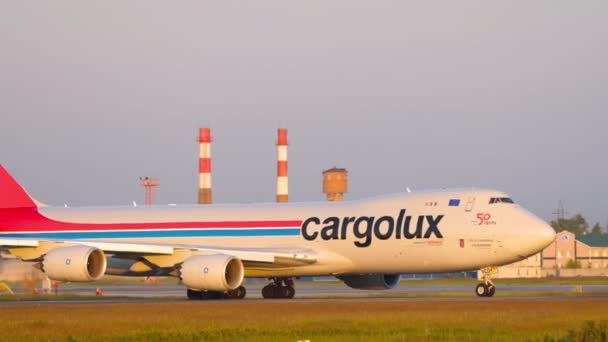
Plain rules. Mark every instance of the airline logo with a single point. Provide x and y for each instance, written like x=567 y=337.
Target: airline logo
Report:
x=366 y=228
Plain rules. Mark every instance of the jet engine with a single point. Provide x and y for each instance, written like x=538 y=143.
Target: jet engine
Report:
x=371 y=281
x=74 y=263
x=217 y=272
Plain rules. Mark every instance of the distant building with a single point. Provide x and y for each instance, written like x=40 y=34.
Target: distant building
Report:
x=568 y=256
x=564 y=256
x=562 y=250
x=592 y=250
x=530 y=267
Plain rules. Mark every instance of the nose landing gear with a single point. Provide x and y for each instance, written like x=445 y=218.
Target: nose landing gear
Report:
x=279 y=288
x=483 y=290
x=486 y=288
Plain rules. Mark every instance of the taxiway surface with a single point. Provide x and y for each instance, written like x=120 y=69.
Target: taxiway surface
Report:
x=143 y=291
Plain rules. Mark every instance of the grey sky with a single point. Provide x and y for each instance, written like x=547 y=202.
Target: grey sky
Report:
x=423 y=94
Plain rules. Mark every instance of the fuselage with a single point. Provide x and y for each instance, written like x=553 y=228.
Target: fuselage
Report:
x=420 y=232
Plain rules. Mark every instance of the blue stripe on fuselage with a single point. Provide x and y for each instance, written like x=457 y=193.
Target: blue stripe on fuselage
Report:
x=116 y=234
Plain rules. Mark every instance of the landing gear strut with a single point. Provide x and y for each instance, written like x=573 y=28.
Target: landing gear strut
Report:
x=279 y=288
x=238 y=293
x=486 y=288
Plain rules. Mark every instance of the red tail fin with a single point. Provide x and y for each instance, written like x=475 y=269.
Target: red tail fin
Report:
x=12 y=195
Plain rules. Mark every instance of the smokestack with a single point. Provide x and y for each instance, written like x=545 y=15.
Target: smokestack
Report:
x=204 y=166
x=282 y=183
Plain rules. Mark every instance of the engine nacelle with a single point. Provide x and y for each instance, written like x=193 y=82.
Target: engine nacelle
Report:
x=75 y=263
x=217 y=272
x=371 y=281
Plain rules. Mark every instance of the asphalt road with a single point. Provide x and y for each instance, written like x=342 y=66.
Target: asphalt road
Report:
x=254 y=291
x=143 y=300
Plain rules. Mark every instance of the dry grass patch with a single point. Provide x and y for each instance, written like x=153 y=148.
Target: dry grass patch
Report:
x=289 y=321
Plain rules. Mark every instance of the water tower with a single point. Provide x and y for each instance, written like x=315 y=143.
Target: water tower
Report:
x=335 y=183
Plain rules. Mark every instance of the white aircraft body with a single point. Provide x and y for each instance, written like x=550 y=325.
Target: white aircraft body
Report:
x=211 y=248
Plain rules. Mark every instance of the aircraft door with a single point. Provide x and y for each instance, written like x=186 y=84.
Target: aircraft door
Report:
x=470 y=204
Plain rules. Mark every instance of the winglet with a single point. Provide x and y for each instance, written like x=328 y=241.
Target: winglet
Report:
x=12 y=195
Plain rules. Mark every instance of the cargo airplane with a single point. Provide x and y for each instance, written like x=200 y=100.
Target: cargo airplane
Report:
x=365 y=243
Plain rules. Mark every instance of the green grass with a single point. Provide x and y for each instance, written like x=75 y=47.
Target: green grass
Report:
x=458 y=320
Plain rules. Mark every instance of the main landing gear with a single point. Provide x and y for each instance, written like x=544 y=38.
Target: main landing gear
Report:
x=238 y=293
x=486 y=288
x=279 y=288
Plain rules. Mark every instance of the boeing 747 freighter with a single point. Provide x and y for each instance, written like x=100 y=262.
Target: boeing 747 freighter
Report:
x=365 y=243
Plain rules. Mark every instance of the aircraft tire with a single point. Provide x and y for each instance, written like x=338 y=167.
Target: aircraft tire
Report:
x=481 y=290
x=268 y=291
x=241 y=292
x=238 y=293
x=289 y=292
x=194 y=295
x=213 y=295
x=491 y=291
x=231 y=294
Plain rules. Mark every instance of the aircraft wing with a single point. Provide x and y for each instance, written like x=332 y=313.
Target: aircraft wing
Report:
x=272 y=256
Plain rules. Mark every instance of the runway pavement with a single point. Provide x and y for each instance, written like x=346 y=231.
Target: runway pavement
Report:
x=255 y=291
x=159 y=291
x=144 y=300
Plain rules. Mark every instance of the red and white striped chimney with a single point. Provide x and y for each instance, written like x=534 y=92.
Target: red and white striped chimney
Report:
x=204 y=166
x=282 y=183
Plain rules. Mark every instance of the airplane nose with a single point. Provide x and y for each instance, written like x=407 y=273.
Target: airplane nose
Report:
x=546 y=234
x=535 y=236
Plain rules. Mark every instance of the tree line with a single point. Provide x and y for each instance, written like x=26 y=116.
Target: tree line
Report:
x=577 y=225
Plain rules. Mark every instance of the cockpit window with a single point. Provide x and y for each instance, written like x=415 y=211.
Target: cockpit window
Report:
x=501 y=200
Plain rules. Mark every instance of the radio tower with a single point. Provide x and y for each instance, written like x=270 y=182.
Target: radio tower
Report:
x=149 y=185
x=282 y=180
x=561 y=212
